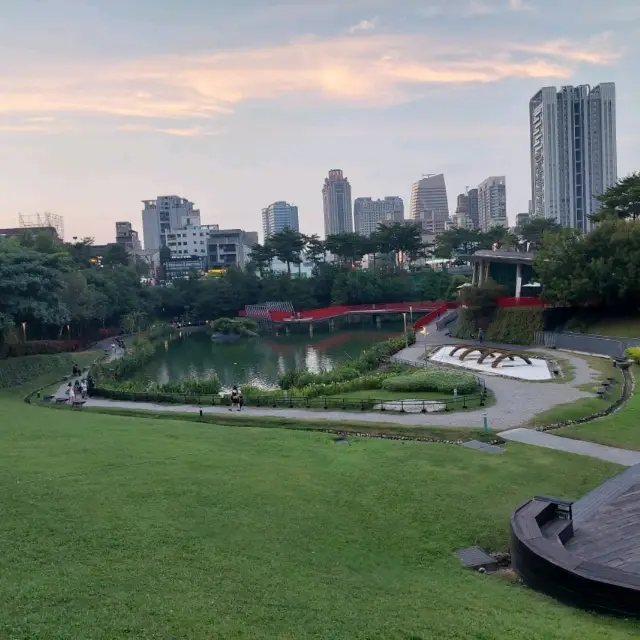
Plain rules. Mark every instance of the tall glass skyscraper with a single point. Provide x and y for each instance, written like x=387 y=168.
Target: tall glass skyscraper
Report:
x=573 y=151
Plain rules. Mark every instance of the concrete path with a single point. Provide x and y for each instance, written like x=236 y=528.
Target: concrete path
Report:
x=405 y=419
x=517 y=402
x=539 y=439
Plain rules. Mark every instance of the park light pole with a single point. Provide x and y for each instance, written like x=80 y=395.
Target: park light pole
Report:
x=406 y=337
x=24 y=330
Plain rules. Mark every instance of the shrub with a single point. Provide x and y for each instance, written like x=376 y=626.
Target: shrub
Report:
x=39 y=347
x=368 y=361
x=633 y=353
x=516 y=326
x=442 y=381
x=245 y=327
x=17 y=371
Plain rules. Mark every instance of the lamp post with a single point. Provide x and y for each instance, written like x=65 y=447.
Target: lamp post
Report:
x=411 y=315
x=406 y=337
x=24 y=331
x=69 y=331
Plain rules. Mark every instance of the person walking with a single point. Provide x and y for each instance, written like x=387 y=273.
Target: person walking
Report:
x=480 y=335
x=236 y=399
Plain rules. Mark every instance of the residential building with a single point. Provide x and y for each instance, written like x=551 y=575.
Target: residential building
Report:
x=190 y=240
x=369 y=213
x=128 y=237
x=522 y=219
x=573 y=151
x=461 y=218
x=492 y=203
x=229 y=247
x=183 y=266
x=474 y=212
x=279 y=216
x=429 y=203
x=164 y=216
x=336 y=201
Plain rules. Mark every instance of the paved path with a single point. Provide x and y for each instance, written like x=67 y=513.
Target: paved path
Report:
x=517 y=402
x=610 y=454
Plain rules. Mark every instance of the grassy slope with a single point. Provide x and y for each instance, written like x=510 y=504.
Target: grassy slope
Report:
x=585 y=406
x=118 y=527
x=617 y=327
x=621 y=429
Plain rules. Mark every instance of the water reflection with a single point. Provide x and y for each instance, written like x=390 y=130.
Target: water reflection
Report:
x=258 y=362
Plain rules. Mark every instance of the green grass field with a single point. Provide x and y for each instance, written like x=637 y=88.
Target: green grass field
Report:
x=628 y=327
x=119 y=527
x=621 y=429
x=585 y=406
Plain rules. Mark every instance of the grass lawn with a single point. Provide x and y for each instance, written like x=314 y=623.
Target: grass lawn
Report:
x=628 y=327
x=124 y=527
x=585 y=406
x=622 y=429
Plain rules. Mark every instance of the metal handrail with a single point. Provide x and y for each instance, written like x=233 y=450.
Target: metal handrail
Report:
x=296 y=402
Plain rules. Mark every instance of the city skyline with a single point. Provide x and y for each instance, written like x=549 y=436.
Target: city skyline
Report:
x=112 y=102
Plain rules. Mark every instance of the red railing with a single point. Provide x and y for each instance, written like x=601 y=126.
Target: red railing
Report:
x=526 y=301
x=431 y=316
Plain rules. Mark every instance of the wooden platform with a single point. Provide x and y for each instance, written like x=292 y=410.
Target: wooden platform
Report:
x=589 y=557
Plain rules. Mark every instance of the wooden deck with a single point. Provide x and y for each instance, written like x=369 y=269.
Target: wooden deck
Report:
x=592 y=558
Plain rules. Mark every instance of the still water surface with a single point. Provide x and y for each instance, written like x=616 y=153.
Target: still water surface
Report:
x=259 y=361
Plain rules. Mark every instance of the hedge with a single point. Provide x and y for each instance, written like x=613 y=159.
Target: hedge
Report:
x=633 y=353
x=515 y=326
x=443 y=381
x=16 y=371
x=465 y=327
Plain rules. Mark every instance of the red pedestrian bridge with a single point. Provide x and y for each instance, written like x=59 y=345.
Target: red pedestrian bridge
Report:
x=286 y=315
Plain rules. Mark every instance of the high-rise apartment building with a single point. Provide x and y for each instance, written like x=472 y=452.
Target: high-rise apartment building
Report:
x=492 y=203
x=429 y=203
x=369 y=213
x=474 y=213
x=163 y=216
x=279 y=216
x=573 y=151
x=336 y=200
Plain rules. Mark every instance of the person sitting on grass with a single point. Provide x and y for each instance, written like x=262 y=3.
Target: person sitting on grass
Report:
x=236 y=399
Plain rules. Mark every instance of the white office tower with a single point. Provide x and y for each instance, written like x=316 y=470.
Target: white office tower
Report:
x=573 y=151
x=492 y=203
x=163 y=216
x=429 y=203
x=336 y=201
x=279 y=216
x=368 y=214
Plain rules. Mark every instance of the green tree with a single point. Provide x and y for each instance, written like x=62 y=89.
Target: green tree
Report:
x=622 y=200
x=115 y=254
x=135 y=321
x=31 y=284
x=288 y=246
x=401 y=238
x=349 y=248
x=262 y=256
x=316 y=249
x=600 y=268
x=532 y=231
x=455 y=242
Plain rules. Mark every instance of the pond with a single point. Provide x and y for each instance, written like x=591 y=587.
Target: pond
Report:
x=259 y=361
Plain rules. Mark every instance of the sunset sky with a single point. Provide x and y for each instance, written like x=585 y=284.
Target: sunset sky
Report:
x=104 y=103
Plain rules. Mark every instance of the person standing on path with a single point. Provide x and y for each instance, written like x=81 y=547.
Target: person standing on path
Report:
x=480 y=335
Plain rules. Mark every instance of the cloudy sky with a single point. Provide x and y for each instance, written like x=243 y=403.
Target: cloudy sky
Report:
x=104 y=103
